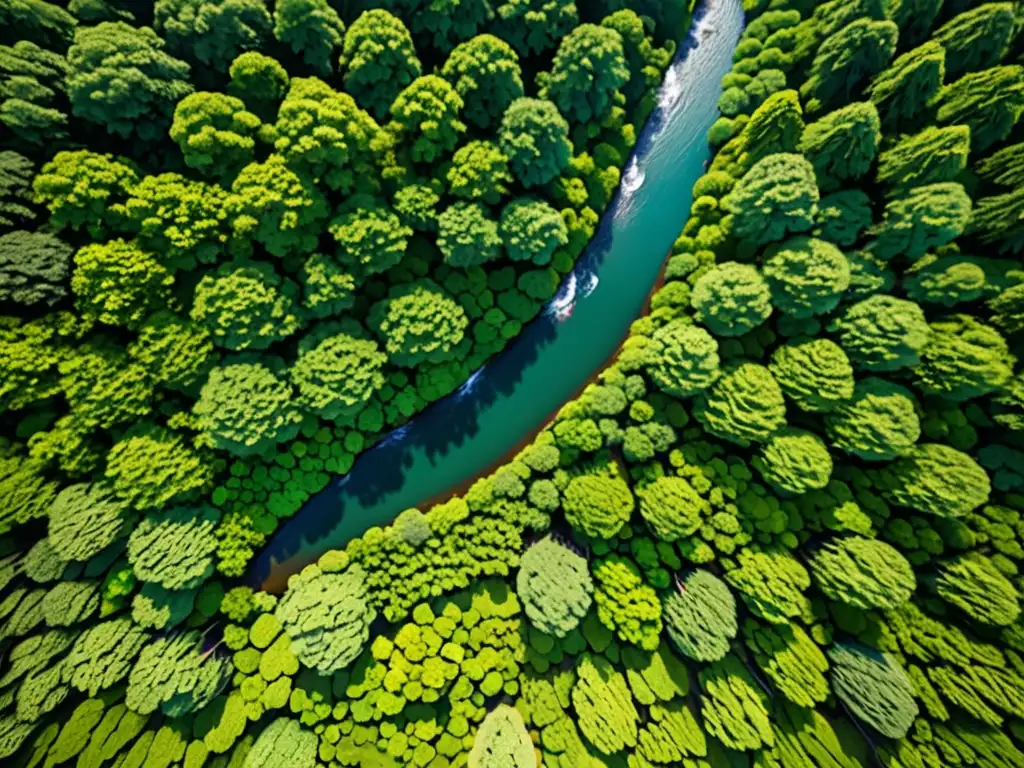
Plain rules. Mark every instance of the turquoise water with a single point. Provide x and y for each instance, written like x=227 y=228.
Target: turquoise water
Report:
x=512 y=396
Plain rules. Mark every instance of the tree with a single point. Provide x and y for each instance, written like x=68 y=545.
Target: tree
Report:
x=776 y=197
x=588 y=69
x=938 y=480
x=216 y=134
x=311 y=28
x=914 y=18
x=807 y=276
x=467 y=236
x=184 y=221
x=502 y=741
x=337 y=375
x=85 y=190
x=597 y=505
x=531 y=230
x=419 y=323
x=151 y=466
x=175 y=547
x=997 y=219
x=863 y=573
x=328 y=289
x=31 y=122
x=173 y=350
x=120 y=77
x=933 y=156
x=246 y=306
x=976 y=39
x=425 y=116
x=815 y=374
x=878 y=423
x=283 y=742
x=379 y=60
x=964 y=359
x=16 y=173
x=535 y=138
x=154 y=607
x=945 y=280
x=324 y=135
x=103 y=655
x=924 y=218
x=245 y=408
x=731 y=299
x=733 y=707
x=118 y=283
x=842 y=216
x=277 y=208
x=85 y=519
x=212 y=32
x=479 y=172
x=33 y=268
x=533 y=26
x=444 y=23
x=646 y=62
x=260 y=81
x=883 y=333
x=875 y=688
x=846 y=61
x=554 y=586
x=903 y=91
x=370 y=236
x=174 y=675
x=745 y=405
x=772 y=584
x=795 y=665
x=794 y=461
x=327 y=616
x=672 y=508
x=988 y=102
x=842 y=145
x=485 y=72
x=43 y=23
x=973 y=583
x=686 y=362
x=1007 y=309
x=700 y=616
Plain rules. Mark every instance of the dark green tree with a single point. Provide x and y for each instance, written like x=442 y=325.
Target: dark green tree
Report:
x=842 y=145
x=485 y=72
x=806 y=276
x=120 y=77
x=988 y=102
x=846 y=61
x=776 y=197
x=212 y=32
x=419 y=323
x=246 y=408
x=312 y=29
x=533 y=26
x=588 y=69
x=33 y=268
x=379 y=60
x=903 y=91
x=535 y=138
x=976 y=39
x=879 y=422
x=425 y=118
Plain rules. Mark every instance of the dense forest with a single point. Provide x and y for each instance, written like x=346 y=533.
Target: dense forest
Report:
x=241 y=241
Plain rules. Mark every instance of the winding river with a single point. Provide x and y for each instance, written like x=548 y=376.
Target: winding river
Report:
x=514 y=395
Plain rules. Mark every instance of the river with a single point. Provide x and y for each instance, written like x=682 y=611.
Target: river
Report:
x=515 y=394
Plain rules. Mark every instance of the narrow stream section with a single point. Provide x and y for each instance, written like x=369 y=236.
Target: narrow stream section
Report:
x=512 y=396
